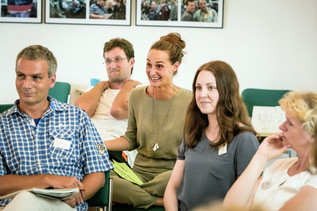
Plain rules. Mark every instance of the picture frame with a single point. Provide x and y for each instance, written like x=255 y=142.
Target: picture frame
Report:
x=88 y=12
x=21 y=11
x=146 y=17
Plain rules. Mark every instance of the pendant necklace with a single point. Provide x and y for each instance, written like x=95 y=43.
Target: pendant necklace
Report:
x=156 y=134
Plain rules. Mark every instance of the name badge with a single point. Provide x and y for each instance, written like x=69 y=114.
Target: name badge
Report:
x=222 y=150
x=61 y=143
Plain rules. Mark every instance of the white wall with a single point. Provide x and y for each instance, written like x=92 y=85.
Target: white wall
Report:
x=270 y=44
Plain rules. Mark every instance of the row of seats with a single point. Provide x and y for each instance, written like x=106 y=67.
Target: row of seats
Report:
x=102 y=199
x=251 y=97
x=61 y=92
x=261 y=97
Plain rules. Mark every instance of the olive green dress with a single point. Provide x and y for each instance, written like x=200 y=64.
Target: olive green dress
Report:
x=155 y=129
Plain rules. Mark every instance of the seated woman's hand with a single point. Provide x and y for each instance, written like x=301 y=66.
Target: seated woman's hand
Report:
x=272 y=147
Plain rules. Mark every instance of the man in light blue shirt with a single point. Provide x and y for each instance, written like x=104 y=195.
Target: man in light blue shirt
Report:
x=45 y=143
x=98 y=10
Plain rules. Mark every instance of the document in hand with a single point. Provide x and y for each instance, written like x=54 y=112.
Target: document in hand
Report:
x=125 y=172
x=60 y=194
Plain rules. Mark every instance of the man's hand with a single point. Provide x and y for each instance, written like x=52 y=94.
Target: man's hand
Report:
x=76 y=199
x=58 y=182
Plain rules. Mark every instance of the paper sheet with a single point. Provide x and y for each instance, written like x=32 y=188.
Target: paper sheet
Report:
x=47 y=193
x=267 y=119
x=125 y=172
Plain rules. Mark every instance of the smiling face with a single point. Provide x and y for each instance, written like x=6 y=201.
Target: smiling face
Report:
x=119 y=69
x=159 y=69
x=294 y=133
x=206 y=92
x=32 y=81
x=191 y=6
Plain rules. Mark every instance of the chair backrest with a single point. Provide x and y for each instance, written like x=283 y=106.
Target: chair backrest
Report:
x=103 y=197
x=4 y=107
x=60 y=91
x=261 y=97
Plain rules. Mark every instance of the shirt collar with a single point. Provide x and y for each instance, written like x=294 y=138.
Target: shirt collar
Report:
x=55 y=105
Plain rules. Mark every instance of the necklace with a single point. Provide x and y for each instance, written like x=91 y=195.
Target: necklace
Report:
x=157 y=134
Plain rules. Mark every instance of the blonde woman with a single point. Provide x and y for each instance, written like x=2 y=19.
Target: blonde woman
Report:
x=286 y=182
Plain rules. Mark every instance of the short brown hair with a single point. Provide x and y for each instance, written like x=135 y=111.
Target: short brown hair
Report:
x=38 y=52
x=124 y=44
x=189 y=1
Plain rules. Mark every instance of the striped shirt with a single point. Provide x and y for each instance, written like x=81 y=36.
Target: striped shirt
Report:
x=64 y=143
x=97 y=9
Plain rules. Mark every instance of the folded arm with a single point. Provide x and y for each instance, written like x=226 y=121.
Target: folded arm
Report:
x=88 y=101
x=119 y=109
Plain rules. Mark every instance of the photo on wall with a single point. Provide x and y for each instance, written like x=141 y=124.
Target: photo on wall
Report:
x=184 y=13
x=100 y=12
x=21 y=11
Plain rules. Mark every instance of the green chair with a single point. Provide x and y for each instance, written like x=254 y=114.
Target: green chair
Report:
x=261 y=97
x=4 y=107
x=103 y=198
x=60 y=91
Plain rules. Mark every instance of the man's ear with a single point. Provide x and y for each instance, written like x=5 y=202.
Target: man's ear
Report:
x=131 y=62
x=52 y=81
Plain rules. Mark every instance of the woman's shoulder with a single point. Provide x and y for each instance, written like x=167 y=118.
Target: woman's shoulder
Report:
x=245 y=136
x=185 y=93
x=139 y=90
x=245 y=142
x=282 y=163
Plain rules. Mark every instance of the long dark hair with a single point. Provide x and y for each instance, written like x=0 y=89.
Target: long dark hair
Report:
x=231 y=113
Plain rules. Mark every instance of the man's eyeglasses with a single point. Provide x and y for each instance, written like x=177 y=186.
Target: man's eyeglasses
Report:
x=115 y=60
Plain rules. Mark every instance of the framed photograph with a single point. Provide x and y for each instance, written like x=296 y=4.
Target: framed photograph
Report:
x=183 y=13
x=100 y=12
x=21 y=11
